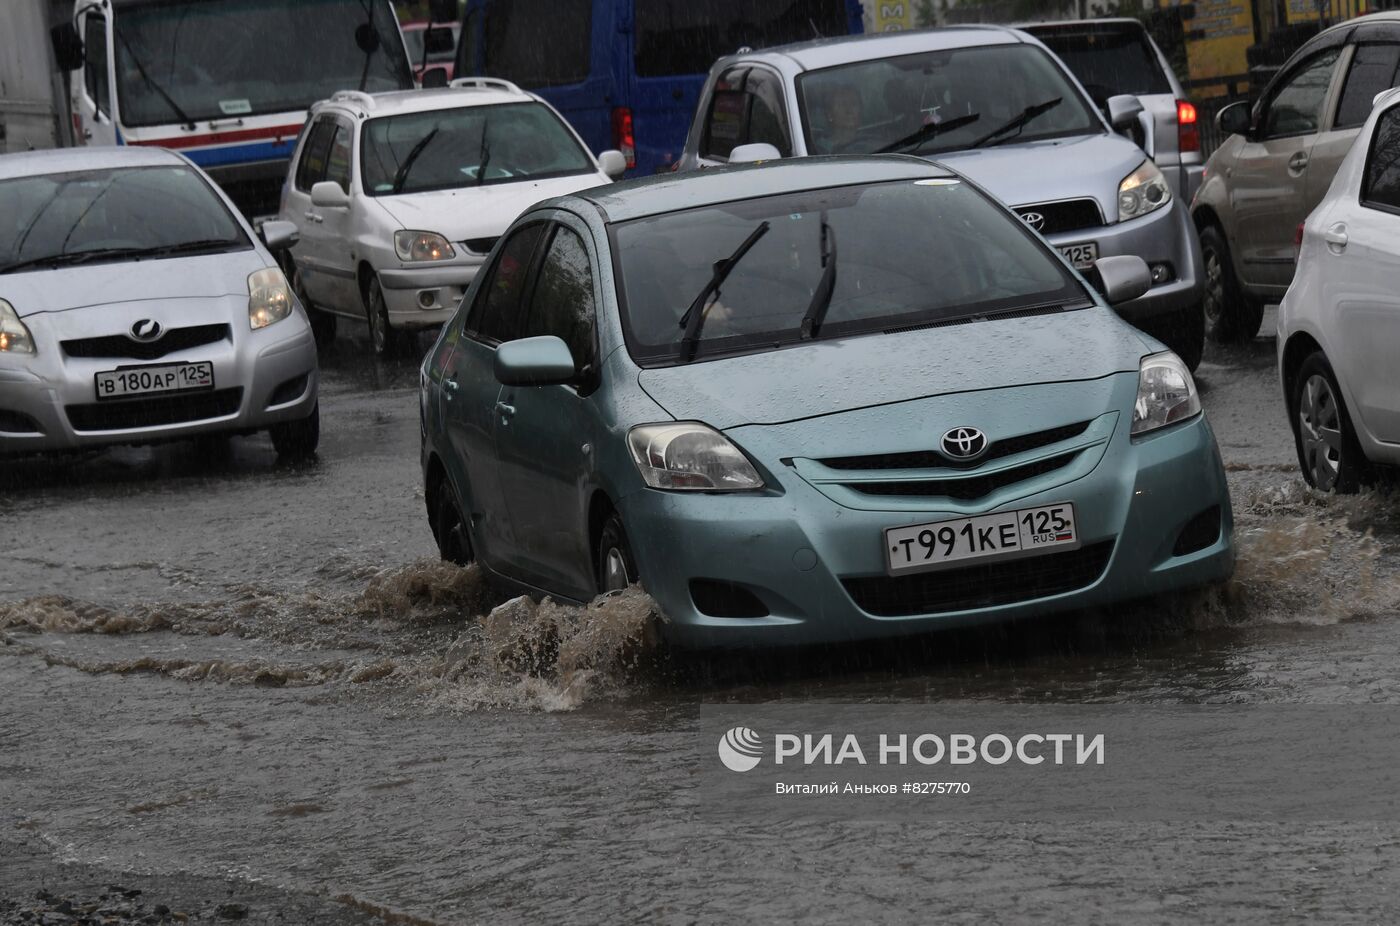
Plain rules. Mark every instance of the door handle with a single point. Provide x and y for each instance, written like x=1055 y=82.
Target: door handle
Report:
x=1299 y=162
x=1336 y=238
x=450 y=387
x=313 y=217
x=506 y=412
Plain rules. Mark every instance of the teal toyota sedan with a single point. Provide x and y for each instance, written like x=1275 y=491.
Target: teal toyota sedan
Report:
x=813 y=401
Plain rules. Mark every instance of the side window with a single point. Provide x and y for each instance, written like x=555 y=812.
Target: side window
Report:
x=495 y=318
x=724 y=125
x=767 y=115
x=746 y=108
x=338 y=161
x=95 y=61
x=1296 y=107
x=1372 y=70
x=562 y=304
x=1381 y=186
x=312 y=169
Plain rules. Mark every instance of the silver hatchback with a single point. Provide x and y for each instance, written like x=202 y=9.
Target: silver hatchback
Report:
x=992 y=103
x=137 y=306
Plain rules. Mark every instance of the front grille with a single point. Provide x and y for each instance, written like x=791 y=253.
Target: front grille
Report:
x=119 y=346
x=148 y=413
x=932 y=459
x=972 y=487
x=1063 y=216
x=982 y=586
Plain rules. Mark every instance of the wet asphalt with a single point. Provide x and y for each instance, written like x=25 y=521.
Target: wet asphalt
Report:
x=225 y=680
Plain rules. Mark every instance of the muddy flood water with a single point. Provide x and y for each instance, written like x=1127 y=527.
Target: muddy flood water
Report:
x=213 y=666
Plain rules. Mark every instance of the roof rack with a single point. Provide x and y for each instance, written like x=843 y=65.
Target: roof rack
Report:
x=486 y=83
x=353 y=96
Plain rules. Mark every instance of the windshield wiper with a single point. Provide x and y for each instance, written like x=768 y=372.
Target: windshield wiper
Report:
x=821 y=299
x=401 y=177
x=693 y=321
x=189 y=247
x=1017 y=123
x=75 y=258
x=913 y=140
x=150 y=82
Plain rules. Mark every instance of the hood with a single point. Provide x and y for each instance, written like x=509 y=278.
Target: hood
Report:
x=1086 y=166
x=829 y=377
x=479 y=212
x=66 y=288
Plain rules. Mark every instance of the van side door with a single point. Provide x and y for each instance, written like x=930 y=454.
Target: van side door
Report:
x=92 y=84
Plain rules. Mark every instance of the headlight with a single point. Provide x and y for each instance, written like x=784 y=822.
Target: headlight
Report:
x=14 y=337
x=269 y=298
x=690 y=455
x=1144 y=190
x=422 y=245
x=1166 y=393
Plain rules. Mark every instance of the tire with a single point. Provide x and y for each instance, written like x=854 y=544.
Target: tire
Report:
x=384 y=339
x=449 y=526
x=322 y=323
x=1230 y=314
x=1185 y=333
x=297 y=440
x=615 y=567
x=1329 y=454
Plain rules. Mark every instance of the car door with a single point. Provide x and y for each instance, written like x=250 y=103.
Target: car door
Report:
x=309 y=250
x=1361 y=283
x=333 y=227
x=1370 y=67
x=546 y=435
x=92 y=95
x=1268 y=183
x=471 y=393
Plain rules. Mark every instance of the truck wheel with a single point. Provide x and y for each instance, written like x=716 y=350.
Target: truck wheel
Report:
x=1231 y=314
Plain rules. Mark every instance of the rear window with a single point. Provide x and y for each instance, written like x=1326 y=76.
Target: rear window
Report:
x=1109 y=61
x=535 y=43
x=687 y=36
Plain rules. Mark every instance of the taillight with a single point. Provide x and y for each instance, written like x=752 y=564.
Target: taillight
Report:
x=1188 y=133
x=1298 y=241
x=623 y=139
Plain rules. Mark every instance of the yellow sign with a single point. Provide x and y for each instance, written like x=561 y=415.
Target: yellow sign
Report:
x=891 y=15
x=1217 y=38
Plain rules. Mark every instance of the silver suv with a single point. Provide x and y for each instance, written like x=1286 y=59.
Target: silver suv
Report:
x=400 y=196
x=992 y=103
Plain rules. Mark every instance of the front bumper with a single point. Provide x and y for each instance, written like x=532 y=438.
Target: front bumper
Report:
x=261 y=378
x=427 y=296
x=1165 y=236
x=794 y=549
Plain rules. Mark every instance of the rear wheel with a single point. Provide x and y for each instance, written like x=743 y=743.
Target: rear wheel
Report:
x=449 y=527
x=385 y=340
x=1328 y=451
x=297 y=440
x=615 y=567
x=1230 y=314
x=322 y=323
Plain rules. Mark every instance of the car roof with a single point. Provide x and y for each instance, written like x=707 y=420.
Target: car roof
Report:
x=822 y=53
x=1051 y=24
x=635 y=199
x=1385 y=16
x=465 y=92
x=69 y=160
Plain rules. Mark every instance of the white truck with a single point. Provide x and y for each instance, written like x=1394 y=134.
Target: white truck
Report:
x=225 y=82
x=33 y=100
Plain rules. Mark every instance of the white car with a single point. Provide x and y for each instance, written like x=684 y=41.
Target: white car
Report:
x=400 y=196
x=1339 y=324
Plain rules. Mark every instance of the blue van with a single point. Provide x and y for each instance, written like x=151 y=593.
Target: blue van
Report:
x=627 y=73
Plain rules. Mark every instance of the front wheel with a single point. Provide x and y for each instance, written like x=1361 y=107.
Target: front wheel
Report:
x=615 y=567
x=449 y=527
x=1328 y=451
x=1230 y=314
x=297 y=440
x=383 y=338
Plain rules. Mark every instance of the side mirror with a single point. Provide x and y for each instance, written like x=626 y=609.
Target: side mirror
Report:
x=542 y=361
x=755 y=152
x=1234 y=119
x=442 y=11
x=328 y=195
x=278 y=235
x=1124 y=278
x=433 y=79
x=67 y=46
x=1123 y=111
x=613 y=163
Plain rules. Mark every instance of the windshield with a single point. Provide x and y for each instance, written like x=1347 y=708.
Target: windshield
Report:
x=446 y=148
x=870 y=106
x=97 y=215
x=906 y=253
x=222 y=59
x=1109 y=61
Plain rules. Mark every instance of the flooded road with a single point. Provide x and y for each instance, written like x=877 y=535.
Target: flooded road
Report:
x=218 y=667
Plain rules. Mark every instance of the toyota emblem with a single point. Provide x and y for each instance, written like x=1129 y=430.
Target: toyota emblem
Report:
x=1035 y=220
x=147 y=329
x=964 y=443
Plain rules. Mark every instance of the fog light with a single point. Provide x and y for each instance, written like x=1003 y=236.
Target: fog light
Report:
x=427 y=298
x=1162 y=273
